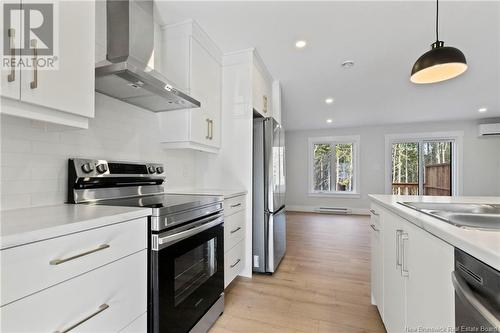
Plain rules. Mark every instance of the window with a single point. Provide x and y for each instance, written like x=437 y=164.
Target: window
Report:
x=333 y=165
x=424 y=164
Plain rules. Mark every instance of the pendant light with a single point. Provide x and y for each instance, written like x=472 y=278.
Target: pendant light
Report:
x=441 y=63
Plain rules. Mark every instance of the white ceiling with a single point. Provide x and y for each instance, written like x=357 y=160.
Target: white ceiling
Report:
x=383 y=38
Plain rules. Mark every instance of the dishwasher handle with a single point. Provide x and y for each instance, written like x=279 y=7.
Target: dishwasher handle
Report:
x=466 y=294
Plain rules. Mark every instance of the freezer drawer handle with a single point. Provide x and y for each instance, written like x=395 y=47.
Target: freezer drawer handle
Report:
x=235 y=230
x=12 y=35
x=101 y=308
x=61 y=261
x=465 y=293
x=236 y=263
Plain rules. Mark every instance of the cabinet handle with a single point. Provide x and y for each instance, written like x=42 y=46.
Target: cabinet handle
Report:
x=398 y=247
x=236 y=205
x=12 y=34
x=211 y=129
x=404 y=271
x=101 y=308
x=236 y=263
x=264 y=102
x=61 y=261
x=235 y=230
x=34 y=83
x=374 y=212
x=374 y=228
x=208 y=129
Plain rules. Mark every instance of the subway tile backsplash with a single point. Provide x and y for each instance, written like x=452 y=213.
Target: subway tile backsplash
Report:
x=34 y=154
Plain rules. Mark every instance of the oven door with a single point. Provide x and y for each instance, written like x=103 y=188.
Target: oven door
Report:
x=187 y=274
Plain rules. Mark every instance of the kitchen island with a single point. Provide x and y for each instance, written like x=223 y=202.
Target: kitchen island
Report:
x=413 y=261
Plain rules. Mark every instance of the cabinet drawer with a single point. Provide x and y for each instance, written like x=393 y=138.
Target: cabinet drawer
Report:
x=33 y=267
x=139 y=325
x=115 y=293
x=234 y=230
x=233 y=205
x=234 y=261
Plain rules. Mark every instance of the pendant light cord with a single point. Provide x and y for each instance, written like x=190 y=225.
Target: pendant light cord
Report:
x=437 y=20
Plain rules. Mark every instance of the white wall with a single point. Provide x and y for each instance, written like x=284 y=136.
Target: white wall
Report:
x=480 y=173
x=34 y=154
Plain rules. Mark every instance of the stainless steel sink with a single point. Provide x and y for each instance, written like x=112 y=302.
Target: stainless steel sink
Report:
x=465 y=215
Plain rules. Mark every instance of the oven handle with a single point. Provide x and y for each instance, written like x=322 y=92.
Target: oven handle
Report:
x=214 y=220
x=465 y=293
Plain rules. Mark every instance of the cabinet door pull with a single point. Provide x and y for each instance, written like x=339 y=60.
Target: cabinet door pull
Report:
x=374 y=212
x=235 y=230
x=208 y=129
x=12 y=34
x=374 y=228
x=398 y=248
x=404 y=270
x=211 y=129
x=61 y=261
x=101 y=308
x=236 y=205
x=236 y=263
x=34 y=83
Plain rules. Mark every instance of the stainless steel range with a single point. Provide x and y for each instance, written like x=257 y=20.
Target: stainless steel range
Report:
x=186 y=257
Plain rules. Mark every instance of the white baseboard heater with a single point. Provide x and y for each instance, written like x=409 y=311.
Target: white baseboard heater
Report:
x=334 y=210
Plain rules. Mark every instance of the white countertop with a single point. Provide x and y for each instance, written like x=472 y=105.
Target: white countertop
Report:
x=482 y=244
x=27 y=225
x=226 y=193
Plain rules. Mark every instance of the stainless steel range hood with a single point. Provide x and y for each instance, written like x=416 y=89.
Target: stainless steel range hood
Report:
x=128 y=73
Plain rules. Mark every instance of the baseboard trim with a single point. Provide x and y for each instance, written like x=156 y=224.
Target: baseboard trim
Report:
x=314 y=209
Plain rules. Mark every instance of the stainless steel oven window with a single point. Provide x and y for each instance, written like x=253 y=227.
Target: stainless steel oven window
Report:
x=194 y=268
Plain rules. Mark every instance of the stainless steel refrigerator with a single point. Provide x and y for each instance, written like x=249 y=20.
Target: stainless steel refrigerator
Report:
x=269 y=222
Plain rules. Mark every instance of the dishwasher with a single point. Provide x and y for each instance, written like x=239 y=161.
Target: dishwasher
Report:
x=477 y=295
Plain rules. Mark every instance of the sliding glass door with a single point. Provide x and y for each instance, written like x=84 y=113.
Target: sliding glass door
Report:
x=422 y=167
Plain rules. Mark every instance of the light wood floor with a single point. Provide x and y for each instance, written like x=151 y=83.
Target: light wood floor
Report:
x=322 y=284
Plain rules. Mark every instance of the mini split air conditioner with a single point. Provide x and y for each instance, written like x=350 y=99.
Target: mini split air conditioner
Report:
x=489 y=129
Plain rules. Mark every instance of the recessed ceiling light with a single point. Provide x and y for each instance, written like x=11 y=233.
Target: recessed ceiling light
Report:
x=300 y=44
x=329 y=121
x=482 y=110
x=329 y=100
x=348 y=64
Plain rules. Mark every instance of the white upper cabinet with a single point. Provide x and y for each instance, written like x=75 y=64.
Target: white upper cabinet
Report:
x=262 y=88
x=192 y=62
x=10 y=76
x=277 y=101
x=63 y=94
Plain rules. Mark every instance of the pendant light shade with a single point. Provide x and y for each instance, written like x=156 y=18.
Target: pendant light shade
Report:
x=440 y=63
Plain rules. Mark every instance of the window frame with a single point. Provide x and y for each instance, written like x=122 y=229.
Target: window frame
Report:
x=349 y=139
x=456 y=139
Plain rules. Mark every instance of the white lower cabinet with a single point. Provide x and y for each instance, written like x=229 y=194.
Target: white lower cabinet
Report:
x=89 y=281
x=376 y=258
x=417 y=291
x=234 y=237
x=113 y=294
x=137 y=326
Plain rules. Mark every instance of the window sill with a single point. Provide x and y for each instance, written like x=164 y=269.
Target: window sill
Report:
x=352 y=195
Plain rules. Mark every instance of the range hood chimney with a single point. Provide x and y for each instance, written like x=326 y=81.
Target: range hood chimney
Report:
x=128 y=73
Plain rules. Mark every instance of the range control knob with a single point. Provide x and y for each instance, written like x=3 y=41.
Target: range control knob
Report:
x=151 y=169
x=88 y=167
x=159 y=169
x=102 y=168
